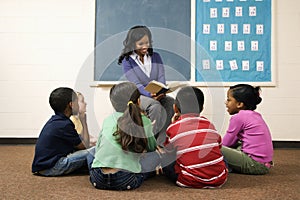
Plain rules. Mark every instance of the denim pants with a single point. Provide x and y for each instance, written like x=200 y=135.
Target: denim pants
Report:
x=68 y=164
x=169 y=172
x=240 y=162
x=168 y=164
x=123 y=180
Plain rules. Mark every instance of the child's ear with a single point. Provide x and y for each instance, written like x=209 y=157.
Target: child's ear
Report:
x=240 y=105
x=175 y=108
x=68 y=109
x=70 y=104
x=139 y=101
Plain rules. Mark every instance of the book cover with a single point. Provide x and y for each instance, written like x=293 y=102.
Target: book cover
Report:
x=159 y=88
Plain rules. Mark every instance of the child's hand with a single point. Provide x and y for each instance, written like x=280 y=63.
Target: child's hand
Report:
x=159 y=97
x=82 y=117
x=160 y=150
x=153 y=122
x=175 y=117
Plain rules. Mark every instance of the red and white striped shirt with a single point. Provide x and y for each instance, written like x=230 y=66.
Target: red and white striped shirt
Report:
x=199 y=162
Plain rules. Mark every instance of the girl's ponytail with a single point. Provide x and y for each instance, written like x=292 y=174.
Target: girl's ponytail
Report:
x=130 y=133
x=247 y=94
x=257 y=94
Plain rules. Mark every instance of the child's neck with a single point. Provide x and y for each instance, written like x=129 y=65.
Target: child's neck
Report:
x=68 y=112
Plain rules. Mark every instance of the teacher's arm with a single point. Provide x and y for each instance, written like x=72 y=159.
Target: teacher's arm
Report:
x=132 y=76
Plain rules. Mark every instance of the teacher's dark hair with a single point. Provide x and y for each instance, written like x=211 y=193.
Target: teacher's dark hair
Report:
x=135 y=34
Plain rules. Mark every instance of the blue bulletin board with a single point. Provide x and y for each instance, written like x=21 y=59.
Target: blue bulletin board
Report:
x=233 y=41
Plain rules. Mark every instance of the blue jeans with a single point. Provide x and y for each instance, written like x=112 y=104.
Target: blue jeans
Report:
x=168 y=163
x=68 y=164
x=123 y=180
x=169 y=172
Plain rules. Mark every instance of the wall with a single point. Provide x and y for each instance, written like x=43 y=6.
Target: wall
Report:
x=42 y=46
x=47 y=44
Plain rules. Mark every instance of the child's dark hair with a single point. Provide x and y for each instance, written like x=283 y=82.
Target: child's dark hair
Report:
x=189 y=100
x=246 y=94
x=130 y=131
x=135 y=34
x=60 y=98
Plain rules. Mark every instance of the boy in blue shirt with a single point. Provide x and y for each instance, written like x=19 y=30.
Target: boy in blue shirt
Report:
x=59 y=149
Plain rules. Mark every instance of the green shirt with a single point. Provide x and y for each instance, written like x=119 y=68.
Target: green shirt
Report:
x=109 y=152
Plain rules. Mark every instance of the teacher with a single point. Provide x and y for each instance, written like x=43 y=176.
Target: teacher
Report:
x=141 y=65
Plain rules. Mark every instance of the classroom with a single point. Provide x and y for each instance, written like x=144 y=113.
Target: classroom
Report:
x=48 y=44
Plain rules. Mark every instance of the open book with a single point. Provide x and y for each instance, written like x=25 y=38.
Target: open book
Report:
x=159 y=88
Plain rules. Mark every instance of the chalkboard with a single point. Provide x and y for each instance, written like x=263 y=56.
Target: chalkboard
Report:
x=169 y=22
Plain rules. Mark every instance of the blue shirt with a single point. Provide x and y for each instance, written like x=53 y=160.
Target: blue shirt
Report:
x=57 y=139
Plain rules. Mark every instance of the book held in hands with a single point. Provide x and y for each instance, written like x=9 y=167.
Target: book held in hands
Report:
x=159 y=88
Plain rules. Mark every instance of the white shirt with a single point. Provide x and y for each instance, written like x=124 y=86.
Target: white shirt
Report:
x=146 y=67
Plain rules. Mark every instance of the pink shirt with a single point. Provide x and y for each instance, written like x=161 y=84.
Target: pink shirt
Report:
x=249 y=127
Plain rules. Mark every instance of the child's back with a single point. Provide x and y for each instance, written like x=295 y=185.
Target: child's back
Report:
x=109 y=152
x=199 y=162
x=125 y=142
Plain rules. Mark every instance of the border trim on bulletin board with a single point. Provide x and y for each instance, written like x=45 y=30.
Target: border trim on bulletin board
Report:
x=210 y=45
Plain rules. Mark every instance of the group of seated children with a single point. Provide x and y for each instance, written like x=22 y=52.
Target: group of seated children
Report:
x=127 y=153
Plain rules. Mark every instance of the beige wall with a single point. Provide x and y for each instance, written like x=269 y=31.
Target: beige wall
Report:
x=45 y=44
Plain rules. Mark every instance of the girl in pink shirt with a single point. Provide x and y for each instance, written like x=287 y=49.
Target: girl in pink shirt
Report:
x=247 y=144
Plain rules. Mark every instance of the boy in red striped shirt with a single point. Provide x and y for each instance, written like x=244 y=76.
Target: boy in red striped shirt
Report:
x=193 y=138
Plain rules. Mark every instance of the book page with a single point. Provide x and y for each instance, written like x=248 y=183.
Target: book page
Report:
x=158 y=83
x=155 y=87
x=175 y=85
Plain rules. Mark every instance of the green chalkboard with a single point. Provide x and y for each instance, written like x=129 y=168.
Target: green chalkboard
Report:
x=169 y=22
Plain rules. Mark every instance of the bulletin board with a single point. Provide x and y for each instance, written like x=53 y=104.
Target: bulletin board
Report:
x=233 y=41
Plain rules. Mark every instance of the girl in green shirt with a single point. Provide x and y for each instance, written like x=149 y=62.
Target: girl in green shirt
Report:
x=125 y=153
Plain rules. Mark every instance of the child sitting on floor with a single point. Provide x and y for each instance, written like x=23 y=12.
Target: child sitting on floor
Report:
x=125 y=151
x=199 y=162
x=59 y=149
x=75 y=118
x=247 y=144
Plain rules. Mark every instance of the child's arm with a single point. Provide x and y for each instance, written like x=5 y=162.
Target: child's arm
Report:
x=85 y=133
x=231 y=136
